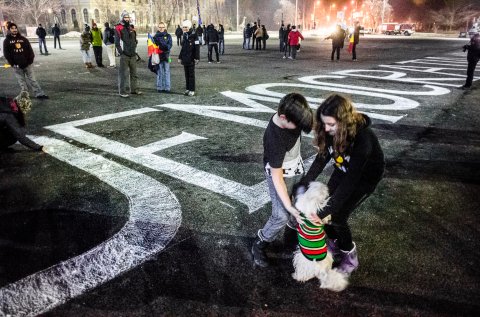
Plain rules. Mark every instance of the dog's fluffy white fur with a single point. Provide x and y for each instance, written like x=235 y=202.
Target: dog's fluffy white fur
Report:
x=316 y=197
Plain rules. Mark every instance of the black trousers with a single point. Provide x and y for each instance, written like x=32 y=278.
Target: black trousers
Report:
x=55 y=38
x=253 y=41
x=190 y=77
x=337 y=49
x=179 y=40
x=210 y=47
x=354 y=51
x=472 y=64
x=97 y=50
x=258 y=43
x=339 y=228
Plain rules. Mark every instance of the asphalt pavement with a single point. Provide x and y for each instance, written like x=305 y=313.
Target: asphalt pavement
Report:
x=147 y=206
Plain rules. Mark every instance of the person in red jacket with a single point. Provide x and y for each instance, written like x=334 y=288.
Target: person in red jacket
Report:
x=294 y=40
x=19 y=54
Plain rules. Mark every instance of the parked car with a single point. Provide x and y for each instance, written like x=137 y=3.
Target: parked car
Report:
x=366 y=31
x=407 y=29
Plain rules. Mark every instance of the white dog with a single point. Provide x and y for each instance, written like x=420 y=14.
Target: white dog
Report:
x=313 y=259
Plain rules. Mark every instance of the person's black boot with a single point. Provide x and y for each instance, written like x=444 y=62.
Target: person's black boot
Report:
x=258 y=252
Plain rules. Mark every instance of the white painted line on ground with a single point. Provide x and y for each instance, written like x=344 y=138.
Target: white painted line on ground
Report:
x=155 y=216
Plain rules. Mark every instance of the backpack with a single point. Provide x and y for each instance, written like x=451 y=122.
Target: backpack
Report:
x=111 y=36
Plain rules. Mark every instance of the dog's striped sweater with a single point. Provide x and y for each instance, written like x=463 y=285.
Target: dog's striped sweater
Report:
x=311 y=239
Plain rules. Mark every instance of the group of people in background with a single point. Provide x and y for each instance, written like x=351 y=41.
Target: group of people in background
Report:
x=256 y=34
x=289 y=39
x=338 y=38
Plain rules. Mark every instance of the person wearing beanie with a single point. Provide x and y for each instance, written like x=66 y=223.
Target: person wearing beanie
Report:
x=85 y=41
x=41 y=33
x=19 y=54
x=189 y=56
x=128 y=64
x=97 y=40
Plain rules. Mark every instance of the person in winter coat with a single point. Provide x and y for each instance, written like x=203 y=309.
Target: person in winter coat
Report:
x=19 y=54
x=199 y=31
x=264 y=37
x=221 y=39
x=109 y=41
x=97 y=41
x=41 y=33
x=337 y=38
x=258 y=38
x=164 y=42
x=128 y=57
x=85 y=41
x=356 y=40
x=281 y=33
x=345 y=139
x=293 y=40
x=286 y=45
x=473 y=56
x=254 y=31
x=12 y=122
x=56 y=36
x=189 y=56
x=247 y=37
x=178 y=34
x=211 y=38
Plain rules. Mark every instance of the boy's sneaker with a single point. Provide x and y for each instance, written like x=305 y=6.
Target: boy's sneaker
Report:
x=186 y=92
x=124 y=95
x=258 y=253
x=218 y=62
x=290 y=57
x=191 y=93
x=284 y=57
x=138 y=92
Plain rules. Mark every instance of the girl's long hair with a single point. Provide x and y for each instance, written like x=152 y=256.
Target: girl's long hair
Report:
x=348 y=123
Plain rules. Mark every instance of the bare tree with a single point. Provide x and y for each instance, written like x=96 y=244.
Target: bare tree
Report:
x=286 y=10
x=377 y=9
x=455 y=14
x=33 y=11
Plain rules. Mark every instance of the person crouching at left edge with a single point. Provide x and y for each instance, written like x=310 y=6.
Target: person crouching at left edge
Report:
x=20 y=56
x=283 y=169
x=12 y=122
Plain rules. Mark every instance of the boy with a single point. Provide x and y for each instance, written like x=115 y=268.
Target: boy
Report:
x=283 y=168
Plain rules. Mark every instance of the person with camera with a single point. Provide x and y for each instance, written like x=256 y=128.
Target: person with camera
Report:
x=473 y=56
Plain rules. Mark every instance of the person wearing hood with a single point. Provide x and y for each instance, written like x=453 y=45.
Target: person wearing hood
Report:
x=189 y=56
x=19 y=54
x=164 y=42
x=126 y=44
x=13 y=123
x=344 y=137
x=293 y=41
x=178 y=34
x=97 y=42
x=85 y=41
x=211 y=39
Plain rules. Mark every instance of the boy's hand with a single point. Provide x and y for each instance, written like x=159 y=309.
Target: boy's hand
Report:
x=294 y=212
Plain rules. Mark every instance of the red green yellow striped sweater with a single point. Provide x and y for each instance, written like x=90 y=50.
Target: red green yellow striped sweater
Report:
x=311 y=239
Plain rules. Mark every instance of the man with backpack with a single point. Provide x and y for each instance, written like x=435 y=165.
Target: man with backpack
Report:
x=109 y=41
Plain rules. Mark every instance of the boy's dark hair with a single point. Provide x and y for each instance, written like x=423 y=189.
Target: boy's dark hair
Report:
x=296 y=109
